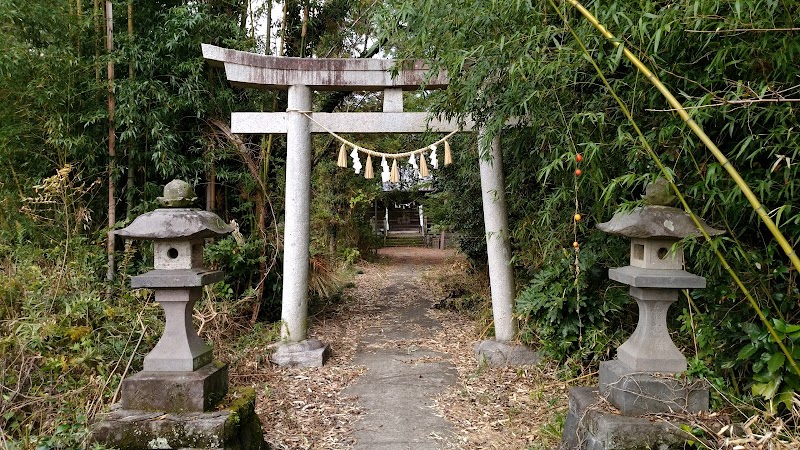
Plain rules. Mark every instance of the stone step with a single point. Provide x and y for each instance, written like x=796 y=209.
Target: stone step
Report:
x=404 y=241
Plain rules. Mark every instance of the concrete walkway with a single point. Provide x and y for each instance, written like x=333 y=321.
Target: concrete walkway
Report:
x=403 y=376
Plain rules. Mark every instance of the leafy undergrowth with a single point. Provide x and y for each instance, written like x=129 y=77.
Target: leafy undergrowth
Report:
x=66 y=343
x=65 y=347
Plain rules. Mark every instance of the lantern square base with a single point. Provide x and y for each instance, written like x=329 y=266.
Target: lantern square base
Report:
x=591 y=426
x=638 y=393
x=234 y=426
x=195 y=391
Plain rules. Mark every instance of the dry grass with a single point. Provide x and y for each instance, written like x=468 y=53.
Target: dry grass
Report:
x=490 y=408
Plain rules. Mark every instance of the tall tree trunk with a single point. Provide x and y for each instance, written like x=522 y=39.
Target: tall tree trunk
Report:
x=211 y=192
x=96 y=21
x=130 y=186
x=79 y=13
x=112 y=196
x=304 y=30
x=269 y=28
x=283 y=27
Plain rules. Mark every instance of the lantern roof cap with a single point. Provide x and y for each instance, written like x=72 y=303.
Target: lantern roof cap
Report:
x=655 y=221
x=176 y=222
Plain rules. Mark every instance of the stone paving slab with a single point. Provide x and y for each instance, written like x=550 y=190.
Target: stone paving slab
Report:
x=402 y=379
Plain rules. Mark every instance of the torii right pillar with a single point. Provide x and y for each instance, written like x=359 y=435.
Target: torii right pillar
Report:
x=501 y=351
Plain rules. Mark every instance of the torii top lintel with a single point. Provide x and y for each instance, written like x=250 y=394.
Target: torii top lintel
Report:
x=332 y=74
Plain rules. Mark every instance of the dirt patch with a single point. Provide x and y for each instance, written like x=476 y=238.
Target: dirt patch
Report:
x=487 y=408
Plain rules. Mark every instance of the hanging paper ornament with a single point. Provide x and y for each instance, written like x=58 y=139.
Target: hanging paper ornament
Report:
x=356 y=161
x=434 y=159
x=368 y=173
x=423 y=166
x=412 y=160
x=342 y=156
x=385 y=175
x=395 y=178
x=448 y=155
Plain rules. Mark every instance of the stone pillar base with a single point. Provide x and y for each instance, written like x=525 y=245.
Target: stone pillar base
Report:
x=235 y=426
x=308 y=353
x=196 y=391
x=501 y=354
x=637 y=393
x=589 y=427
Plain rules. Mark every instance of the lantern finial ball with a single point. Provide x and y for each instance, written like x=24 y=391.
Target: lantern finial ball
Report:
x=178 y=194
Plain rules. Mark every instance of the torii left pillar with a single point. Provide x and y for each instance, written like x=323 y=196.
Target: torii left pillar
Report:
x=297 y=349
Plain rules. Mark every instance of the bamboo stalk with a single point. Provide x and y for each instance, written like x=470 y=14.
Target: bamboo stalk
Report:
x=304 y=30
x=268 y=33
x=112 y=158
x=666 y=173
x=698 y=131
x=130 y=184
x=96 y=21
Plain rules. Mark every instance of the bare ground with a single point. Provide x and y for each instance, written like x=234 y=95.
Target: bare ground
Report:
x=488 y=408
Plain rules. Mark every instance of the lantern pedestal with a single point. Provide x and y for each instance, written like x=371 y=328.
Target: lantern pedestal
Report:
x=234 y=425
x=637 y=393
x=590 y=426
x=650 y=348
x=194 y=391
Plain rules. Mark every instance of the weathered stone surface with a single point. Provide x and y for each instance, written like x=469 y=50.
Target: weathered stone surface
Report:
x=659 y=192
x=175 y=223
x=656 y=278
x=635 y=393
x=656 y=253
x=178 y=254
x=176 y=279
x=500 y=354
x=393 y=100
x=179 y=349
x=297 y=226
x=653 y=222
x=178 y=194
x=234 y=427
x=195 y=391
x=650 y=347
x=498 y=244
x=307 y=353
x=349 y=122
x=341 y=74
x=589 y=427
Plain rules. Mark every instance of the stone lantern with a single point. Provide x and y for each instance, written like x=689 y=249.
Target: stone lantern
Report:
x=656 y=277
x=175 y=402
x=645 y=377
x=178 y=277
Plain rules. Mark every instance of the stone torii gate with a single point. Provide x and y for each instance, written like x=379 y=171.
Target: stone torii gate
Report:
x=302 y=75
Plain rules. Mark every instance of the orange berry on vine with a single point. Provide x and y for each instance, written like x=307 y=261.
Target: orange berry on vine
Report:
x=578 y=172
x=575 y=244
x=577 y=217
x=579 y=157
